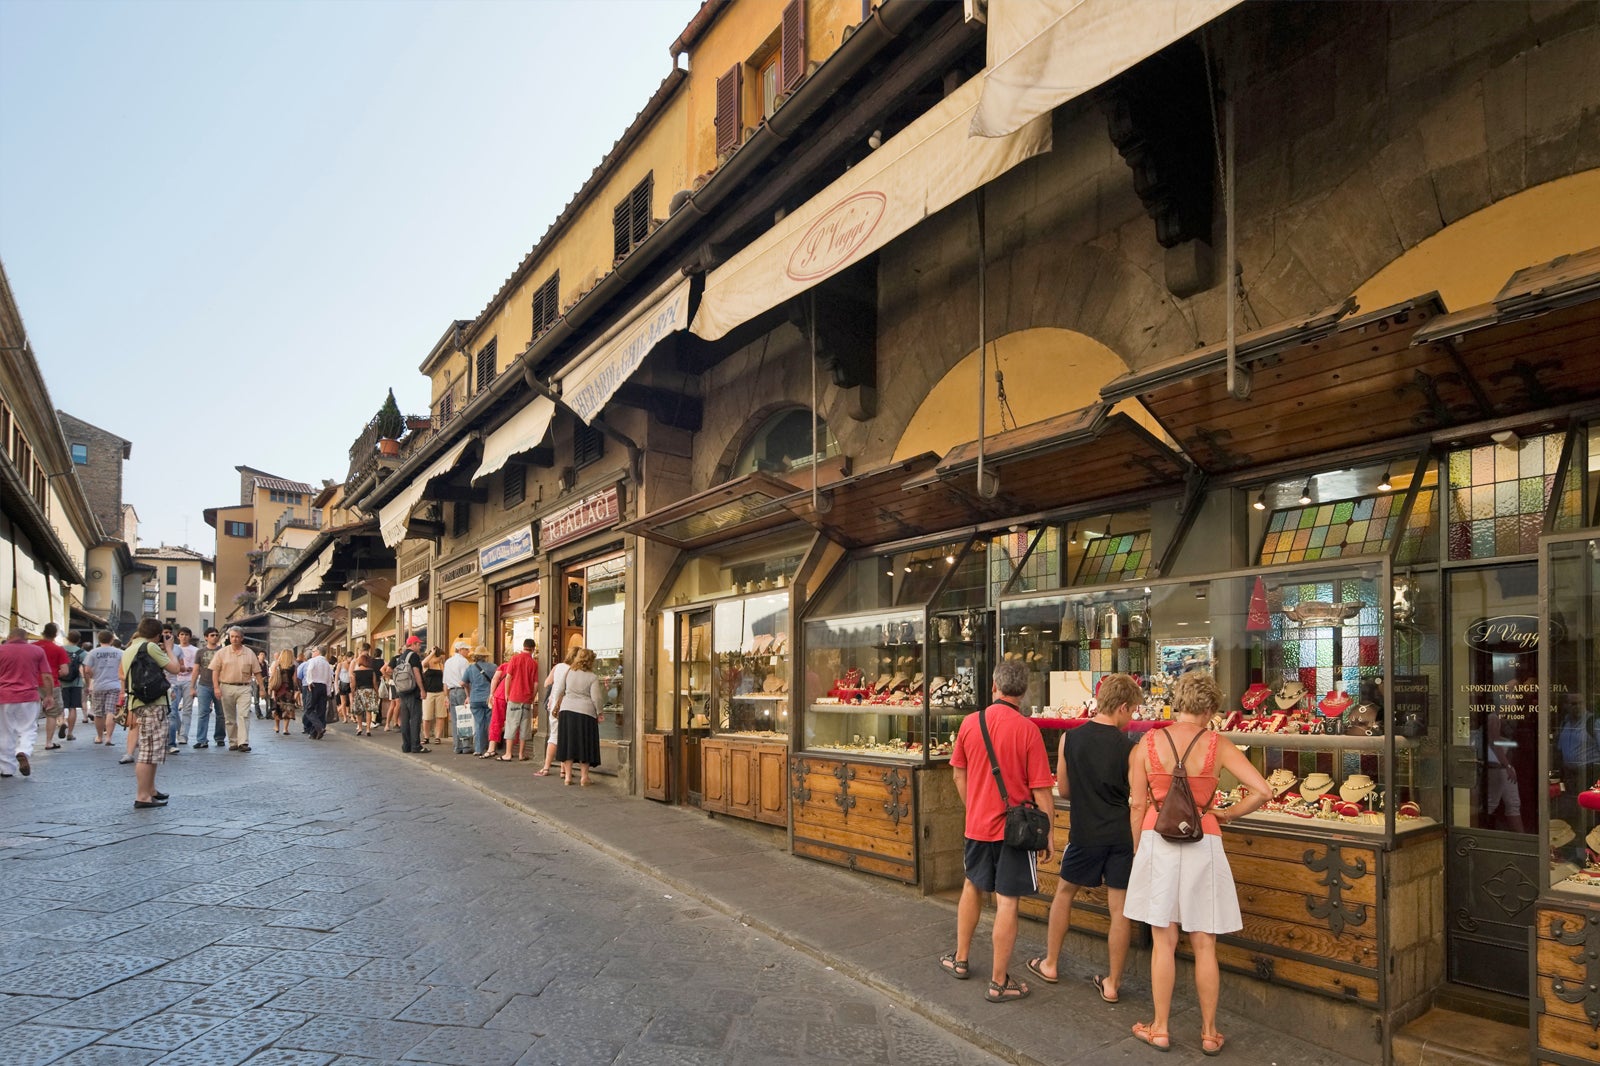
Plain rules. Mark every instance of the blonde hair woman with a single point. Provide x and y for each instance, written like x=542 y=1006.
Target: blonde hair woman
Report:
x=281 y=685
x=1187 y=885
x=579 y=699
x=556 y=675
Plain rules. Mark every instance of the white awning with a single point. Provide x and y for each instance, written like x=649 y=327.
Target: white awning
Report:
x=524 y=430
x=924 y=168
x=595 y=376
x=33 y=590
x=1043 y=53
x=406 y=592
x=394 y=515
x=310 y=579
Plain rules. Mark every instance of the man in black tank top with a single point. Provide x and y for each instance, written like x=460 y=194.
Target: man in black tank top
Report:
x=1092 y=771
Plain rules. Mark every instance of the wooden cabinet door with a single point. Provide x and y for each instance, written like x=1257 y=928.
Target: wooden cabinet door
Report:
x=657 y=779
x=714 y=775
x=742 y=780
x=772 y=784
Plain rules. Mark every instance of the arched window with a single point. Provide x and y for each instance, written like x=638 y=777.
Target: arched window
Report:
x=782 y=443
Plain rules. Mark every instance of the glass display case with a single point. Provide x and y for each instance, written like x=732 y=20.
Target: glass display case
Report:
x=1329 y=675
x=750 y=642
x=864 y=685
x=1569 y=669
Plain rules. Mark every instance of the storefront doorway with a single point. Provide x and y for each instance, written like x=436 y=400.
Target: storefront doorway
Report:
x=1492 y=873
x=516 y=617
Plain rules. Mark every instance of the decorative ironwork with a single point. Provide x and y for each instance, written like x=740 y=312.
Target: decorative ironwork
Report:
x=1512 y=890
x=1587 y=991
x=1264 y=966
x=896 y=783
x=799 y=794
x=1335 y=873
x=1427 y=386
x=845 y=773
x=1534 y=392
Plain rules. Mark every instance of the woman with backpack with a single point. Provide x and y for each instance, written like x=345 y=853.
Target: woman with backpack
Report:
x=1183 y=882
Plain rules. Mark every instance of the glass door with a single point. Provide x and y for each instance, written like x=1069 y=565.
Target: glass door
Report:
x=1569 y=663
x=1492 y=874
x=695 y=699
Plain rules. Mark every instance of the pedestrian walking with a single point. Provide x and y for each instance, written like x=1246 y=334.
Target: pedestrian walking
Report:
x=435 y=706
x=580 y=701
x=497 y=711
x=1188 y=884
x=202 y=682
x=102 y=669
x=522 y=684
x=319 y=682
x=25 y=678
x=364 y=691
x=455 y=690
x=406 y=673
x=344 y=681
x=185 y=653
x=149 y=708
x=557 y=672
x=281 y=690
x=479 y=678
x=233 y=669
x=991 y=864
x=50 y=705
x=72 y=687
x=1092 y=771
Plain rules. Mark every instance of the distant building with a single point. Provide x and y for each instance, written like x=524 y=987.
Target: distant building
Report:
x=267 y=506
x=113 y=577
x=182 y=589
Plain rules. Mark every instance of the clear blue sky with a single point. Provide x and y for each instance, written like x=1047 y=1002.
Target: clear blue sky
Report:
x=231 y=226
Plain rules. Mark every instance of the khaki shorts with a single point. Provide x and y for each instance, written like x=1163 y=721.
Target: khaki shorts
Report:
x=435 y=705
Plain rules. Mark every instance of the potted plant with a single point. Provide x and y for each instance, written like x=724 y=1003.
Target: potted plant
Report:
x=390 y=425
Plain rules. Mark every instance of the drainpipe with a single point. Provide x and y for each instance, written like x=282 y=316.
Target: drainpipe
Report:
x=635 y=453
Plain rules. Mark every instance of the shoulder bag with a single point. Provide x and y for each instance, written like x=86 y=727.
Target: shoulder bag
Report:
x=1027 y=826
x=1178 y=817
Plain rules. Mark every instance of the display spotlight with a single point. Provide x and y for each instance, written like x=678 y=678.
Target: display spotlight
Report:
x=1261 y=501
x=1385 y=485
x=1305 y=493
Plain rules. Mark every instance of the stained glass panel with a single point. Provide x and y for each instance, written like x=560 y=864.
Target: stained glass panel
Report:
x=1340 y=528
x=1418 y=539
x=1119 y=557
x=1499 y=494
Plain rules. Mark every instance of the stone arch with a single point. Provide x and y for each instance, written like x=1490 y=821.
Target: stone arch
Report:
x=758 y=419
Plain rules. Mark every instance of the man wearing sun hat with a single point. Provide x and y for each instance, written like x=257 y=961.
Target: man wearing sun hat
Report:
x=455 y=689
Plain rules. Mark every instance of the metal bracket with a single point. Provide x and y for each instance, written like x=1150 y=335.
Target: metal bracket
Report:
x=1335 y=871
x=1587 y=939
x=845 y=773
x=896 y=783
x=799 y=794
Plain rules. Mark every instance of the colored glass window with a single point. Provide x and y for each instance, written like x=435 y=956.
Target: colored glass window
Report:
x=1498 y=496
x=1362 y=526
x=1117 y=557
x=1319 y=656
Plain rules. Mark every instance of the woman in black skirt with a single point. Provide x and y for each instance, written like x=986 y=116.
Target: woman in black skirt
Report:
x=579 y=698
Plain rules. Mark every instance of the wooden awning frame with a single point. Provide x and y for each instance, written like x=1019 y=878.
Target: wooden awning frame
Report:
x=759 y=518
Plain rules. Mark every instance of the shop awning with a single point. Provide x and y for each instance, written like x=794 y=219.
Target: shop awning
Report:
x=1317 y=387
x=1043 y=53
x=928 y=166
x=1093 y=454
x=522 y=432
x=34 y=595
x=745 y=505
x=595 y=376
x=310 y=579
x=409 y=591
x=874 y=507
x=394 y=516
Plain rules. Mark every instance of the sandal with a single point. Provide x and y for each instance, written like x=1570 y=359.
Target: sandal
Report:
x=1009 y=992
x=503 y=758
x=1154 y=1037
x=1212 y=1045
x=1037 y=970
x=542 y=773
x=1100 y=987
x=52 y=747
x=953 y=966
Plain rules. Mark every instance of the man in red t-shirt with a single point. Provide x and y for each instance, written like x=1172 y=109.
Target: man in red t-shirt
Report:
x=521 y=672
x=991 y=865
x=24 y=675
x=57 y=656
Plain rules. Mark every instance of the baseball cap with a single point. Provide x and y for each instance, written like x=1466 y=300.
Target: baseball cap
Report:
x=462 y=644
x=413 y=639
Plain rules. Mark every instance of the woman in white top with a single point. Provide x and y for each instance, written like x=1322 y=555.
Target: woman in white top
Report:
x=579 y=699
x=556 y=674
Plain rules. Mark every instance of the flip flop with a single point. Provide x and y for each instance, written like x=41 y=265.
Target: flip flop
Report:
x=1099 y=983
x=957 y=968
x=1212 y=1045
x=52 y=747
x=541 y=773
x=1038 y=971
x=1009 y=992
x=1147 y=1035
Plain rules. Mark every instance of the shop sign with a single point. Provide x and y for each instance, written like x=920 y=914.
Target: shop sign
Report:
x=464 y=568
x=834 y=239
x=358 y=624
x=593 y=512
x=511 y=548
x=1506 y=634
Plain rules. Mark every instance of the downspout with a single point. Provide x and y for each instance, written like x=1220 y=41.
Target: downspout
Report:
x=988 y=483
x=635 y=453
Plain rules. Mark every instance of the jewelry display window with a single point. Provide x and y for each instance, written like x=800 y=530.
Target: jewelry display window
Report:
x=1569 y=666
x=864 y=687
x=750 y=641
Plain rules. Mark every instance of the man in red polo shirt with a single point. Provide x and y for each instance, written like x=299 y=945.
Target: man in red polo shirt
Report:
x=522 y=685
x=992 y=866
x=57 y=657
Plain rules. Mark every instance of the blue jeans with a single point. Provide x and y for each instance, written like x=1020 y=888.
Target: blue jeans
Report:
x=205 y=702
x=179 y=695
x=480 y=727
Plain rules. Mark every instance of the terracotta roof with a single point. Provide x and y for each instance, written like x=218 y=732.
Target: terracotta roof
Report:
x=176 y=552
x=278 y=484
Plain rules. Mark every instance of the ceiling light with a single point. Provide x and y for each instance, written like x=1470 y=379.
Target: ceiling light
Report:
x=1261 y=501
x=1385 y=485
x=1305 y=493
x=950 y=560
x=908 y=568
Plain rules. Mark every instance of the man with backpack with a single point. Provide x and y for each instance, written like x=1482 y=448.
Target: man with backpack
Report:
x=72 y=686
x=406 y=673
x=145 y=664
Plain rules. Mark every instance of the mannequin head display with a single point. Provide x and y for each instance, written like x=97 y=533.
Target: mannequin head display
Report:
x=1358 y=789
x=1315 y=785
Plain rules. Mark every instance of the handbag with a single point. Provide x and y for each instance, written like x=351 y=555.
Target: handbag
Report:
x=1178 y=817
x=1027 y=827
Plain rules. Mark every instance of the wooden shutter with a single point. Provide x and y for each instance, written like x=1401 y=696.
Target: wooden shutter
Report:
x=622 y=228
x=486 y=365
x=639 y=201
x=792 y=66
x=588 y=445
x=514 y=485
x=546 y=305
x=729 y=123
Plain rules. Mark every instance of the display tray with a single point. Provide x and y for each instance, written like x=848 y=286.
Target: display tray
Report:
x=1060 y=724
x=879 y=751
x=1585 y=883
x=1364 y=823
x=866 y=708
x=768 y=697
x=1314 y=741
x=755 y=734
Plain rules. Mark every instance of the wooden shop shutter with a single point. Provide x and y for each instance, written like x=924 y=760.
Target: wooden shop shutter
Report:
x=728 y=123
x=639 y=203
x=546 y=303
x=486 y=365
x=793 y=47
x=622 y=229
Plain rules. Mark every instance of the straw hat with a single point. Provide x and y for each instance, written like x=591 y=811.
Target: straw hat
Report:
x=1561 y=833
x=480 y=652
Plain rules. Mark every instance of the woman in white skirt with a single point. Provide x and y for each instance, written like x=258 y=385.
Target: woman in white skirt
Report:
x=1187 y=885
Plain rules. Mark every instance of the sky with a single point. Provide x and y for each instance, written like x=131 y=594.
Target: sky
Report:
x=232 y=226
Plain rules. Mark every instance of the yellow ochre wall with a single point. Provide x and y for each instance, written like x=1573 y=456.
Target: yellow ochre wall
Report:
x=233 y=563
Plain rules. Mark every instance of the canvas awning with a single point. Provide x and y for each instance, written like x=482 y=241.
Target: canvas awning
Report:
x=924 y=168
x=1042 y=53
x=745 y=505
x=33 y=595
x=523 y=431
x=310 y=579
x=595 y=376
x=409 y=591
x=396 y=514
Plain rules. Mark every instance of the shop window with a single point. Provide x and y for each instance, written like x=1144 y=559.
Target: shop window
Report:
x=1419 y=541
x=486 y=368
x=1499 y=494
x=1025 y=560
x=172 y=575
x=588 y=445
x=869 y=582
x=782 y=443
x=754 y=565
x=80 y=454
x=630 y=219
x=1108 y=548
x=546 y=303
x=514 y=486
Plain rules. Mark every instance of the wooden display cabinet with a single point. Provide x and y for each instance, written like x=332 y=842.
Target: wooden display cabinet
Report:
x=745 y=778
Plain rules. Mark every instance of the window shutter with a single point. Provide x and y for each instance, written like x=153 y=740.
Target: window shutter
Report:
x=514 y=487
x=793 y=64
x=640 y=202
x=546 y=306
x=588 y=445
x=486 y=365
x=622 y=229
x=460 y=521
x=728 y=122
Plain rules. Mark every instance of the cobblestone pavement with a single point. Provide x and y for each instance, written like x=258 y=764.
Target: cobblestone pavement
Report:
x=313 y=903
